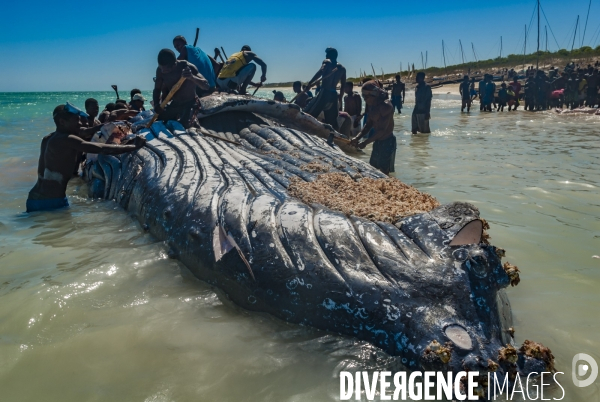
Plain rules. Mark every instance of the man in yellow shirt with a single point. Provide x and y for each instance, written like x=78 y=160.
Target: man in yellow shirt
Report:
x=238 y=71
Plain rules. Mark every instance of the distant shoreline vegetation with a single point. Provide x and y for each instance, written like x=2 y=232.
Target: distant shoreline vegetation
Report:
x=583 y=54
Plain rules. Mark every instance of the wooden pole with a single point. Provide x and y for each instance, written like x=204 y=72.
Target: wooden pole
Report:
x=196 y=39
x=170 y=95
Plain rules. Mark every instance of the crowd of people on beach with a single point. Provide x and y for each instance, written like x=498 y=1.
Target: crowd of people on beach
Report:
x=181 y=81
x=576 y=86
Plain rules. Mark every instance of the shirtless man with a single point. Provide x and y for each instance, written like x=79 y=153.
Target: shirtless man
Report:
x=422 y=110
x=381 y=119
x=353 y=106
x=58 y=157
x=302 y=97
x=327 y=100
x=398 y=93
x=168 y=72
x=92 y=109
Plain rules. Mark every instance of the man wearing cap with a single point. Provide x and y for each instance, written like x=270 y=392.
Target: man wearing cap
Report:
x=381 y=120
x=327 y=100
x=168 y=72
x=203 y=62
x=132 y=93
x=58 y=157
x=137 y=103
x=238 y=71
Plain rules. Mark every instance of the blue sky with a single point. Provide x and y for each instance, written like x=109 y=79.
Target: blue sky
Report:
x=70 y=46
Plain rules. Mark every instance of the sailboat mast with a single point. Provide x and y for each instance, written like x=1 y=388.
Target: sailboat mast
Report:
x=525 y=47
x=575 y=34
x=444 y=54
x=586 y=21
x=537 y=60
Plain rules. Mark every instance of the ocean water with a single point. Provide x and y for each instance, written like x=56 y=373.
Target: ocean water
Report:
x=92 y=309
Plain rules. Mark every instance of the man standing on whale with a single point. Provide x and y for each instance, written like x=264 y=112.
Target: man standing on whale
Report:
x=168 y=72
x=328 y=101
x=59 y=157
x=203 y=62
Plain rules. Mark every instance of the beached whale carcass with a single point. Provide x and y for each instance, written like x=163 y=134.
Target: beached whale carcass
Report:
x=424 y=287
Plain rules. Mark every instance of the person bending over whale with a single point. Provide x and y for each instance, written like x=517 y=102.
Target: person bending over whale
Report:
x=238 y=71
x=203 y=62
x=327 y=100
x=58 y=157
x=381 y=120
x=168 y=72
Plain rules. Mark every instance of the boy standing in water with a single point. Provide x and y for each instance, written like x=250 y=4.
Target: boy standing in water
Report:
x=381 y=120
x=398 y=93
x=502 y=98
x=465 y=92
x=422 y=111
x=59 y=153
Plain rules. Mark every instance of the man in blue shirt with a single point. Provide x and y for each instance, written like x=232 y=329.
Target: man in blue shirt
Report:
x=203 y=62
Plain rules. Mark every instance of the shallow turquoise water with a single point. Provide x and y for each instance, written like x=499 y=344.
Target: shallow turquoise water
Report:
x=91 y=309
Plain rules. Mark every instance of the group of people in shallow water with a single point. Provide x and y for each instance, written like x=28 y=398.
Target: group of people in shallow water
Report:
x=82 y=135
x=572 y=88
x=193 y=74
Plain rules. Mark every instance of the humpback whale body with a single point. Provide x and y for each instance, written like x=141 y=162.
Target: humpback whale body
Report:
x=427 y=287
